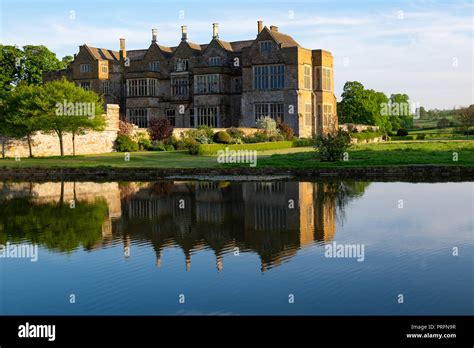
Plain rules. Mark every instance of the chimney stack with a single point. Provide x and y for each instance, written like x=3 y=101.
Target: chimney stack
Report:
x=123 y=52
x=259 y=26
x=184 y=33
x=215 y=30
x=154 y=34
x=274 y=28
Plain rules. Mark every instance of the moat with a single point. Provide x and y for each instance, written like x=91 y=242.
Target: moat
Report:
x=237 y=248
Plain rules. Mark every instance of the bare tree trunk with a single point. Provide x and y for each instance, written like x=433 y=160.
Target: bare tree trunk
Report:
x=61 y=145
x=28 y=138
x=73 y=143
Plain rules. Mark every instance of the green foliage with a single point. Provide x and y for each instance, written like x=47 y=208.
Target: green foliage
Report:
x=212 y=149
x=235 y=133
x=125 y=128
x=366 y=106
x=144 y=144
x=10 y=71
x=420 y=136
x=303 y=142
x=207 y=131
x=404 y=137
x=200 y=135
x=192 y=146
x=331 y=146
x=160 y=128
x=124 y=143
x=222 y=137
x=366 y=135
x=286 y=131
x=54 y=225
x=443 y=123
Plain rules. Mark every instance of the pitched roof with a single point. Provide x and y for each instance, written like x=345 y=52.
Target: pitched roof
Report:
x=194 y=46
x=226 y=45
x=136 y=54
x=103 y=53
x=283 y=39
x=239 y=45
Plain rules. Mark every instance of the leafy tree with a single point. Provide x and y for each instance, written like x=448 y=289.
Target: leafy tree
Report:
x=465 y=117
x=65 y=61
x=27 y=64
x=68 y=108
x=160 y=129
x=10 y=67
x=443 y=123
x=21 y=113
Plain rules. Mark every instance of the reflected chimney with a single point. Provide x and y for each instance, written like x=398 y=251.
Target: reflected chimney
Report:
x=188 y=263
x=215 y=30
x=154 y=35
x=259 y=26
x=123 y=52
x=184 y=33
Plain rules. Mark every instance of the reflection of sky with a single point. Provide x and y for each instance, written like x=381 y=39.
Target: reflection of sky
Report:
x=408 y=251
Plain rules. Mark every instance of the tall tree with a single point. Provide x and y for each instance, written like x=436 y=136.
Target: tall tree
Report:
x=68 y=108
x=465 y=117
x=10 y=68
x=21 y=113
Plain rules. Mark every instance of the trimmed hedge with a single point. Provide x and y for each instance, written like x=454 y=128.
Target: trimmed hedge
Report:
x=212 y=149
x=303 y=142
x=405 y=137
x=366 y=135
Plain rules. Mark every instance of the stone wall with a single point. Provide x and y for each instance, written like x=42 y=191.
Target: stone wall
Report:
x=89 y=143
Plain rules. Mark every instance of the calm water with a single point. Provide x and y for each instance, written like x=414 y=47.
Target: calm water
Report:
x=238 y=248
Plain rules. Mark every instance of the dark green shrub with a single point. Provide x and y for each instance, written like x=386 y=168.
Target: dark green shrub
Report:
x=331 y=146
x=402 y=132
x=420 y=136
x=276 y=137
x=124 y=143
x=169 y=148
x=145 y=144
x=235 y=133
x=222 y=137
x=192 y=146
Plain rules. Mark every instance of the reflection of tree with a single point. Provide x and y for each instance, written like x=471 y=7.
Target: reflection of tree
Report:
x=54 y=225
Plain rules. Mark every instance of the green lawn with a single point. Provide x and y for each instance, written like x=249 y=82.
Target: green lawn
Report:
x=392 y=153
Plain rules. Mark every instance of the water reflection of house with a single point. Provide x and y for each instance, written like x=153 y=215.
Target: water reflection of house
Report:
x=274 y=219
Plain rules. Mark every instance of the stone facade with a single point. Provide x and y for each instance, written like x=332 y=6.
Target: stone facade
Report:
x=219 y=84
x=89 y=143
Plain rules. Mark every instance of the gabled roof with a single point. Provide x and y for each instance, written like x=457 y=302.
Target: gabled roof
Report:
x=194 y=46
x=103 y=53
x=283 y=39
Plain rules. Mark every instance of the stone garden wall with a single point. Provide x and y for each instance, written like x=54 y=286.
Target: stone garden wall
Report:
x=90 y=143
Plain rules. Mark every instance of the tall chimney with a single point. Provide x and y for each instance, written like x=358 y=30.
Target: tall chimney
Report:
x=215 y=30
x=259 y=26
x=123 y=52
x=154 y=34
x=184 y=33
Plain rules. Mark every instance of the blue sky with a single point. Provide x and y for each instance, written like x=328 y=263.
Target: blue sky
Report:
x=423 y=48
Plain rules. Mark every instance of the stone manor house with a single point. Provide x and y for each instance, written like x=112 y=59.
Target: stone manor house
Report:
x=220 y=84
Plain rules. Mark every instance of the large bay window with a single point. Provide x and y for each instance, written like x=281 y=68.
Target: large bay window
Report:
x=269 y=76
x=307 y=76
x=180 y=86
x=206 y=84
x=327 y=115
x=142 y=87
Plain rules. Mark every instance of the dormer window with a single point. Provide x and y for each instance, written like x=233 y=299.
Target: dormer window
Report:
x=154 y=66
x=182 y=64
x=266 y=46
x=85 y=68
x=215 y=61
